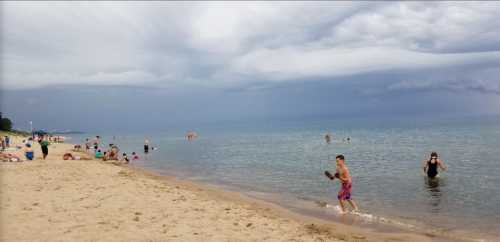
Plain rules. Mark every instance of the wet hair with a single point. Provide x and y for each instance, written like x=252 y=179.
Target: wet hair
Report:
x=434 y=154
x=340 y=157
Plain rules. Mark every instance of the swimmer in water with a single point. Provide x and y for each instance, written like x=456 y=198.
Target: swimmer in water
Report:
x=191 y=135
x=146 y=146
x=431 y=165
x=328 y=138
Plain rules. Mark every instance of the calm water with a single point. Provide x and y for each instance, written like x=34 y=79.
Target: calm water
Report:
x=385 y=158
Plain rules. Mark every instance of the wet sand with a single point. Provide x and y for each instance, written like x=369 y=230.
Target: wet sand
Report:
x=91 y=200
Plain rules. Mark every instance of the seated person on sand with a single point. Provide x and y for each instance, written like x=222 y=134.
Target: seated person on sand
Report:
x=28 y=152
x=9 y=157
x=125 y=158
x=111 y=155
x=98 y=154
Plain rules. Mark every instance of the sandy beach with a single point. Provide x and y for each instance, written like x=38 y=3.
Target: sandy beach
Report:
x=91 y=200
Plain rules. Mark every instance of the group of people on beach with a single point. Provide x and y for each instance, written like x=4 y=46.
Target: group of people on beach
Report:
x=112 y=153
x=27 y=144
x=342 y=174
x=5 y=142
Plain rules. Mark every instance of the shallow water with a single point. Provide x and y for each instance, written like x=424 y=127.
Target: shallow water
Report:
x=385 y=160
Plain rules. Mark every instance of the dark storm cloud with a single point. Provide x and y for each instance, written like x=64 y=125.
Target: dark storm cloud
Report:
x=230 y=45
x=192 y=62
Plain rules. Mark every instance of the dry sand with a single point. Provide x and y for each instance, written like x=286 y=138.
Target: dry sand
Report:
x=90 y=200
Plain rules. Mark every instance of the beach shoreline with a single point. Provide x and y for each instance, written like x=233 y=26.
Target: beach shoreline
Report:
x=92 y=200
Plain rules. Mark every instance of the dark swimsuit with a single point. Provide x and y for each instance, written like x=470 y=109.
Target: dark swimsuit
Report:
x=432 y=169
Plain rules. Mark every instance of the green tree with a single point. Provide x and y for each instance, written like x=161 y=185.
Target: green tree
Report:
x=5 y=123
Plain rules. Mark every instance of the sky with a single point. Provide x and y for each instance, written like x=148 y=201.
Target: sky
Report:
x=148 y=65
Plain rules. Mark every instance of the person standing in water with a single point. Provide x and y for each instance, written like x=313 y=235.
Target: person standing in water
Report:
x=328 y=138
x=345 y=179
x=87 y=145
x=96 y=143
x=146 y=146
x=431 y=165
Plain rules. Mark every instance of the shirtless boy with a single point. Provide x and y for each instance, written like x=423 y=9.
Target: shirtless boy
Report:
x=346 y=181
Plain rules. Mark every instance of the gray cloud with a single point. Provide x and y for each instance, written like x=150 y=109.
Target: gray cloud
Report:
x=248 y=44
x=462 y=85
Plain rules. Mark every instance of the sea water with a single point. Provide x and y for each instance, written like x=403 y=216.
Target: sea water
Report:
x=285 y=162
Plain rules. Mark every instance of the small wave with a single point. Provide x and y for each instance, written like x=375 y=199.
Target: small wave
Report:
x=366 y=217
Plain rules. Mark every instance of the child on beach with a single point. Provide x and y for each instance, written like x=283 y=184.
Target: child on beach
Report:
x=346 y=181
x=98 y=154
x=125 y=158
x=134 y=156
x=28 y=152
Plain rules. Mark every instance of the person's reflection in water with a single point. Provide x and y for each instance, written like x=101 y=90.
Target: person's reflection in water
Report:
x=432 y=186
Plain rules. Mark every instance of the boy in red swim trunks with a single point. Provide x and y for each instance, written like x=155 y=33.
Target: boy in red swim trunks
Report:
x=346 y=181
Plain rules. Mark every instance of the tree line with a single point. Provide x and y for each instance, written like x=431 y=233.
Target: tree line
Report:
x=5 y=123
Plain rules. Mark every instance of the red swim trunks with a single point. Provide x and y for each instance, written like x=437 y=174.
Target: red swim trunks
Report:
x=345 y=191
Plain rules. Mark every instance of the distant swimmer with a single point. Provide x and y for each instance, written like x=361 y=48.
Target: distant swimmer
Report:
x=342 y=173
x=146 y=146
x=191 y=135
x=328 y=138
x=431 y=165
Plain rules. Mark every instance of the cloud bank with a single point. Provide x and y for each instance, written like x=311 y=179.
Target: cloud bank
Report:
x=250 y=44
